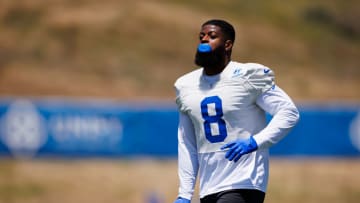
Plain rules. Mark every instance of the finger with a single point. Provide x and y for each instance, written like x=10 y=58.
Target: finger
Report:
x=228 y=154
x=239 y=155
x=231 y=157
x=228 y=145
x=234 y=151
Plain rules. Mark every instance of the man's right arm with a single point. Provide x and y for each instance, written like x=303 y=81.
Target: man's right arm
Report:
x=187 y=157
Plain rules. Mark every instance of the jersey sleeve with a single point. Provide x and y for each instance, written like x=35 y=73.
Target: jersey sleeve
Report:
x=187 y=157
x=285 y=116
x=178 y=100
x=260 y=78
x=187 y=151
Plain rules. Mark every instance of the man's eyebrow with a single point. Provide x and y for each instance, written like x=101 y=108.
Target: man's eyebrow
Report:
x=209 y=32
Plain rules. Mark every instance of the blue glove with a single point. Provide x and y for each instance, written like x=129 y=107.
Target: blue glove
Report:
x=238 y=148
x=181 y=200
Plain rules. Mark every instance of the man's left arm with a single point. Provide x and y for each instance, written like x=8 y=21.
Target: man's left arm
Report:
x=273 y=100
x=285 y=116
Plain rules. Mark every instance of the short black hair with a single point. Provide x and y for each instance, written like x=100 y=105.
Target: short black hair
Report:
x=226 y=27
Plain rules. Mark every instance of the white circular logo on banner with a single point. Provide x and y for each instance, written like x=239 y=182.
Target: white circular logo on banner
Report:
x=23 y=130
x=355 y=132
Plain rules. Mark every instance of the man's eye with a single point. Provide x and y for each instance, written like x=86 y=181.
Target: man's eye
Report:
x=213 y=36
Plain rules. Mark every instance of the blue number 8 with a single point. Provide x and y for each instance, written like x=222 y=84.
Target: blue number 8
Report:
x=217 y=118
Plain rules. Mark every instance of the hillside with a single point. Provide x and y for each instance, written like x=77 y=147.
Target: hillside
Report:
x=136 y=49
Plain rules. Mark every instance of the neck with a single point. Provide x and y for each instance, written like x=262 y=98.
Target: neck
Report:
x=209 y=70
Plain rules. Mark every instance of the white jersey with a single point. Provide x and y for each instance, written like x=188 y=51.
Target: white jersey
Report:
x=215 y=110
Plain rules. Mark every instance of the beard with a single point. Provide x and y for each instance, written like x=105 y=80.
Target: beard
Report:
x=210 y=59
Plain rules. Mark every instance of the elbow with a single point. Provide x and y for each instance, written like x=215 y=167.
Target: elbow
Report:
x=291 y=115
x=294 y=114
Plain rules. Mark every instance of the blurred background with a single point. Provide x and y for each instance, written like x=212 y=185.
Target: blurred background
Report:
x=87 y=109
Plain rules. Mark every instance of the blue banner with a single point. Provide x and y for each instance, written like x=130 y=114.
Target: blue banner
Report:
x=70 y=128
x=66 y=128
x=323 y=130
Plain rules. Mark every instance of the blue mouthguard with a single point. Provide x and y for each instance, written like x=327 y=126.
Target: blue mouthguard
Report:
x=204 y=48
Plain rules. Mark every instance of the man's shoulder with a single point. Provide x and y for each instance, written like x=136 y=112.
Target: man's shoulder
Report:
x=258 y=70
x=247 y=70
x=250 y=65
x=259 y=77
x=189 y=78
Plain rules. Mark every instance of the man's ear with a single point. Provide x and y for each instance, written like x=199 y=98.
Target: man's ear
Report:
x=228 y=45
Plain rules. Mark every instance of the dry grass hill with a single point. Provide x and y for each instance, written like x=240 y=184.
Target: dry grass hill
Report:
x=136 y=49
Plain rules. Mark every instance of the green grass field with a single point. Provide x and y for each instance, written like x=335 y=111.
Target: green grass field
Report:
x=123 y=181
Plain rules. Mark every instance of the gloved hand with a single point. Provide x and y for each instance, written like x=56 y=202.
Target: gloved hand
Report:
x=238 y=148
x=181 y=200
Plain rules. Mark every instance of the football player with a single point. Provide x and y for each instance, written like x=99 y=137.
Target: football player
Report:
x=223 y=134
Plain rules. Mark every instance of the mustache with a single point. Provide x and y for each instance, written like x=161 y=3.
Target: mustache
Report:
x=210 y=59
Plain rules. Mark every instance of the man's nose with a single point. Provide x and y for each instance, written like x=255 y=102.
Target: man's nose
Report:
x=205 y=39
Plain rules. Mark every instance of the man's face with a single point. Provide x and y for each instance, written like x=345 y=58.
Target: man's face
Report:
x=212 y=35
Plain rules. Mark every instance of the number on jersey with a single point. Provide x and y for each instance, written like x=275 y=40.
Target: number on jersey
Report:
x=211 y=118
